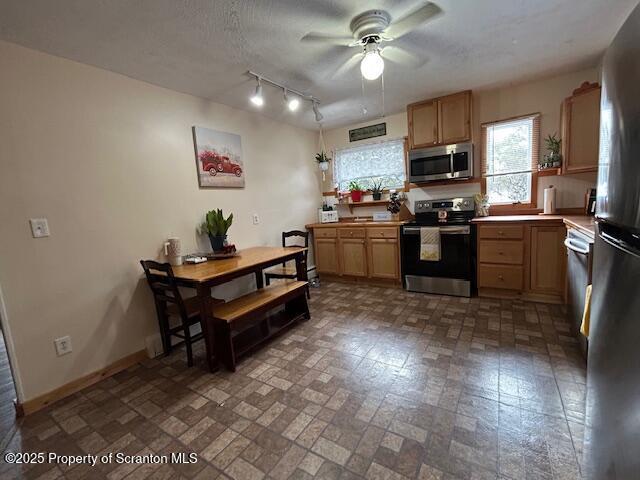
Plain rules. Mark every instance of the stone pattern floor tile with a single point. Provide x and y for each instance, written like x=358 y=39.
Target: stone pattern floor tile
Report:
x=380 y=383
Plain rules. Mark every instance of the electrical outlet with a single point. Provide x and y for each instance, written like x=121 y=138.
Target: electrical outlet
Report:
x=63 y=345
x=39 y=227
x=256 y=219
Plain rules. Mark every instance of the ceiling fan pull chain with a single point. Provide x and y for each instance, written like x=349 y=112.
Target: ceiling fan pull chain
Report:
x=382 y=77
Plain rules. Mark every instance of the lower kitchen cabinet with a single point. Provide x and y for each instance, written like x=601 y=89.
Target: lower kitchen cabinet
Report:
x=548 y=260
x=353 y=257
x=369 y=252
x=384 y=258
x=326 y=255
x=518 y=259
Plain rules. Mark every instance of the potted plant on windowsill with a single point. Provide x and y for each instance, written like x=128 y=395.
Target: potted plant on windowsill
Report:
x=356 y=191
x=216 y=226
x=377 y=189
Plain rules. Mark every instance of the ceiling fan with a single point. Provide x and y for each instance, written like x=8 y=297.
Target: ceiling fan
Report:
x=372 y=28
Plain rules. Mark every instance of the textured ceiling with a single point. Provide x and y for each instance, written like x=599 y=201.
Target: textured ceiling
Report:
x=205 y=47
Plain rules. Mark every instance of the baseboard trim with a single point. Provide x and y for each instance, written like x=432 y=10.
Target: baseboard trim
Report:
x=42 y=401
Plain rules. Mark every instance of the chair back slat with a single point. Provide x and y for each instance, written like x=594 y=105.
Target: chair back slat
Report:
x=163 y=284
x=296 y=234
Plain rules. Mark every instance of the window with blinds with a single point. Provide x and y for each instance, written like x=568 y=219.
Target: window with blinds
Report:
x=373 y=162
x=510 y=150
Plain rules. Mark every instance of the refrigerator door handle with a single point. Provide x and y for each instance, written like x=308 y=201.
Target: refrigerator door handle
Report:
x=619 y=244
x=576 y=248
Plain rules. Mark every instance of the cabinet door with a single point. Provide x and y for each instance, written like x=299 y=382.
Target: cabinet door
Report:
x=353 y=257
x=581 y=132
x=455 y=118
x=383 y=258
x=423 y=124
x=547 y=259
x=326 y=255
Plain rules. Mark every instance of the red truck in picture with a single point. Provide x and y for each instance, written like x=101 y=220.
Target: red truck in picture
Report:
x=215 y=163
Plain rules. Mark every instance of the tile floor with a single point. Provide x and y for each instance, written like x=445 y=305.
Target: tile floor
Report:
x=380 y=384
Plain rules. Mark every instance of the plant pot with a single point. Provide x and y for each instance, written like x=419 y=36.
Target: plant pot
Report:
x=324 y=166
x=217 y=242
x=356 y=195
x=377 y=195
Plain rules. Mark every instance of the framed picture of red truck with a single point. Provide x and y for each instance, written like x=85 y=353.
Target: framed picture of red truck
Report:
x=218 y=158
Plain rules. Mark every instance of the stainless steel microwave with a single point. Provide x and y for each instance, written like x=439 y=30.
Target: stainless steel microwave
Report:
x=441 y=163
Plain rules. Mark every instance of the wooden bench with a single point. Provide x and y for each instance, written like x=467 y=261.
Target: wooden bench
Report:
x=245 y=322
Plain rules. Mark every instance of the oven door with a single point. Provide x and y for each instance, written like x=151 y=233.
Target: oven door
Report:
x=452 y=275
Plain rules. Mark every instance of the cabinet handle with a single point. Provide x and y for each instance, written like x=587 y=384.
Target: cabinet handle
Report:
x=500 y=232
x=351 y=233
x=500 y=253
x=500 y=277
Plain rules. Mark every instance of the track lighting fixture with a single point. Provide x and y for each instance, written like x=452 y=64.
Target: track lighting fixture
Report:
x=316 y=112
x=291 y=97
x=257 y=98
x=292 y=102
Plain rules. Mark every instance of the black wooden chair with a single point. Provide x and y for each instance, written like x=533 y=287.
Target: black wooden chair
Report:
x=170 y=305
x=289 y=272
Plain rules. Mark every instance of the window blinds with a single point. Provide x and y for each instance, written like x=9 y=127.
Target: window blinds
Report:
x=510 y=146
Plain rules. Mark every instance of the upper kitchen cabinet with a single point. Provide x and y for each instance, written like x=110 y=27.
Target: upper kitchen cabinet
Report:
x=440 y=121
x=581 y=129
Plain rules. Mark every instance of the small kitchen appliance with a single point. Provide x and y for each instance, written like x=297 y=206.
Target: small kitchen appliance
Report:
x=328 y=216
x=454 y=272
x=449 y=162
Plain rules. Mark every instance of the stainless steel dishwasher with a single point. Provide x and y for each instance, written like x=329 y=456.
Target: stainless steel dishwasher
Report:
x=579 y=265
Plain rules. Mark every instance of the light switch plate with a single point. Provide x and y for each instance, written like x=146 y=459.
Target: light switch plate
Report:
x=39 y=227
x=256 y=219
x=63 y=345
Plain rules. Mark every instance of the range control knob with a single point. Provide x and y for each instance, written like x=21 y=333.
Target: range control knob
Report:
x=426 y=205
x=465 y=203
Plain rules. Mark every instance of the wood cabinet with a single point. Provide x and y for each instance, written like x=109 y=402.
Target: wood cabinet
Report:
x=326 y=255
x=522 y=259
x=358 y=253
x=440 y=121
x=581 y=129
x=353 y=257
x=548 y=259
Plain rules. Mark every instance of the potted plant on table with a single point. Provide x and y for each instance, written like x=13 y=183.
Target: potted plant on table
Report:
x=216 y=226
x=356 y=191
x=377 y=189
x=553 y=159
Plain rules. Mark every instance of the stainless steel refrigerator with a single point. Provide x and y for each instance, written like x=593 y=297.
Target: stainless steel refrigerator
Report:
x=612 y=434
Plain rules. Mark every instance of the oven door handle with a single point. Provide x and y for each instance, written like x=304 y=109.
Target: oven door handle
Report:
x=452 y=230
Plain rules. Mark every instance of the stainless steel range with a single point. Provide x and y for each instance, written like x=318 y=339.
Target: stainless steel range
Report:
x=453 y=272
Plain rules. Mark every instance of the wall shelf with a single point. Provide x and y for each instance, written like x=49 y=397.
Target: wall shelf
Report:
x=550 y=172
x=371 y=203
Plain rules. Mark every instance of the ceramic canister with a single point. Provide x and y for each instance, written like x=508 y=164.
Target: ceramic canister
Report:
x=173 y=251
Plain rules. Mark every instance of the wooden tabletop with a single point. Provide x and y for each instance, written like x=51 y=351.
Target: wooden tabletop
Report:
x=248 y=259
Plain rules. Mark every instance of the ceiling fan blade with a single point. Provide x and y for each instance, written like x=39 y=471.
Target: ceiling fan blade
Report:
x=326 y=39
x=401 y=56
x=404 y=25
x=348 y=65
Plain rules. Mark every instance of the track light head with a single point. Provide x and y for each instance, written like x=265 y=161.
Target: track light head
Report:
x=317 y=113
x=292 y=102
x=257 y=99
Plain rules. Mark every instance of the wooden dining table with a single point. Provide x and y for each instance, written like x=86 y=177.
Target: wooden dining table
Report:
x=203 y=276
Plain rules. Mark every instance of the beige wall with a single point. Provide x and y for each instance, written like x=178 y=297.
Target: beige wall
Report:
x=544 y=96
x=110 y=162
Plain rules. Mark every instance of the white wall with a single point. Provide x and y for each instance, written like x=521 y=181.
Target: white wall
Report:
x=544 y=96
x=110 y=162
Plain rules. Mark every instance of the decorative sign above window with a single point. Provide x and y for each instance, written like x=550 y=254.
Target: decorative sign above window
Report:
x=367 y=132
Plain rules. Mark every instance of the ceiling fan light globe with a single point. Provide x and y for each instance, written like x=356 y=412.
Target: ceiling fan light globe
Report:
x=372 y=65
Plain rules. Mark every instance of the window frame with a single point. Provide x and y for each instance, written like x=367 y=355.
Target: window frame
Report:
x=535 y=156
x=392 y=139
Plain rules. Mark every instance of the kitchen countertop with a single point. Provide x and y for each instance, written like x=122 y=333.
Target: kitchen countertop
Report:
x=583 y=223
x=368 y=223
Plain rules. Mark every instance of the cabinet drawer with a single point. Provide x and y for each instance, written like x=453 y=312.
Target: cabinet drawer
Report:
x=382 y=232
x=500 y=276
x=501 y=251
x=501 y=231
x=325 y=232
x=352 y=233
